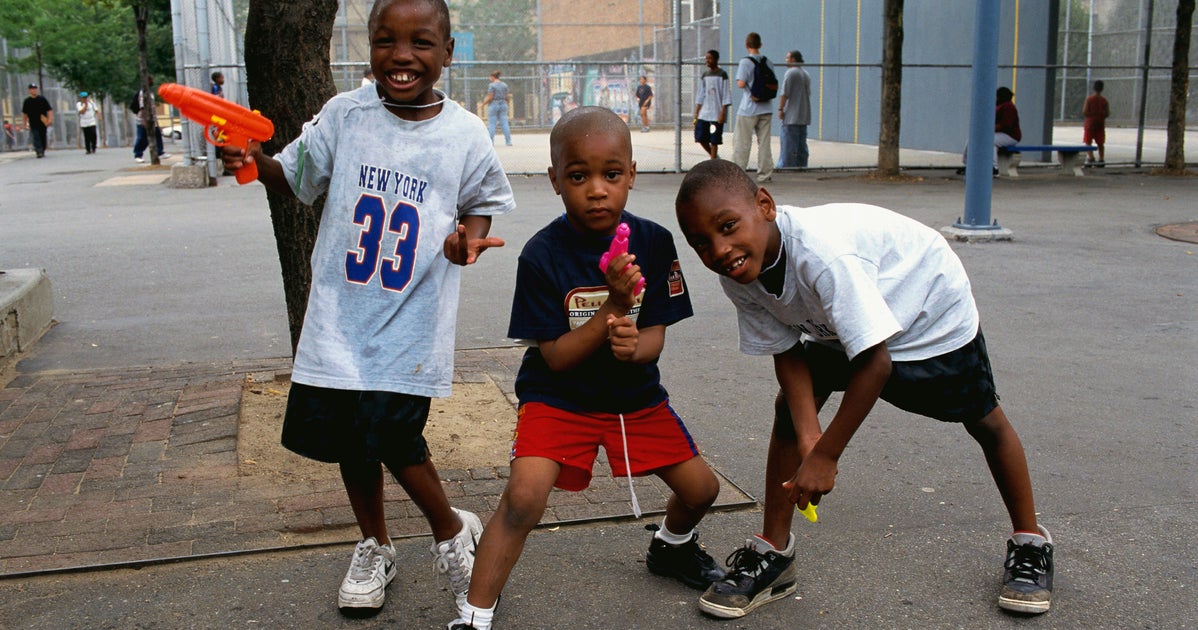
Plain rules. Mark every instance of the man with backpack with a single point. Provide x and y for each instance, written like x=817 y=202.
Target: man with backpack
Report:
x=755 y=76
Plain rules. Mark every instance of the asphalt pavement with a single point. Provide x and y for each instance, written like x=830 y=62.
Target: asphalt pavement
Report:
x=1089 y=317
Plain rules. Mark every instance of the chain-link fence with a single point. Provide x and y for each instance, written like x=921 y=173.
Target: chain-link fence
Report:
x=594 y=57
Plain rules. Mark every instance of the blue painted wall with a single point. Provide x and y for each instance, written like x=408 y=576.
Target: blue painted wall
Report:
x=835 y=34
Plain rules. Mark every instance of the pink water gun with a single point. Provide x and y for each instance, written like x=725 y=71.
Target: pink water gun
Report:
x=619 y=245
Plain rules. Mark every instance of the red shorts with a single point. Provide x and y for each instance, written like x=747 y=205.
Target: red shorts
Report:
x=656 y=438
x=1094 y=131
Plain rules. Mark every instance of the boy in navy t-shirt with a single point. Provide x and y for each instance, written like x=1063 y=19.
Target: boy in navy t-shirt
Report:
x=590 y=376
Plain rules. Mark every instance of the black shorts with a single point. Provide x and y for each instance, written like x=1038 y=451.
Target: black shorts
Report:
x=709 y=132
x=343 y=426
x=957 y=386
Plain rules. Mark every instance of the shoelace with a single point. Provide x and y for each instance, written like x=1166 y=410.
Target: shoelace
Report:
x=1027 y=563
x=361 y=568
x=745 y=563
x=451 y=561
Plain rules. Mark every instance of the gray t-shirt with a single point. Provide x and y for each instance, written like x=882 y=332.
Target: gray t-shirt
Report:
x=748 y=106
x=383 y=304
x=498 y=91
x=856 y=276
x=796 y=87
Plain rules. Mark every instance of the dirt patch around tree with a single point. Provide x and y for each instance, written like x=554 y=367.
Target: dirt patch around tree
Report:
x=471 y=429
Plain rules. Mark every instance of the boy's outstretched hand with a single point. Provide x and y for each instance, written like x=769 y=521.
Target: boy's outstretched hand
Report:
x=234 y=157
x=622 y=276
x=623 y=334
x=461 y=250
x=814 y=478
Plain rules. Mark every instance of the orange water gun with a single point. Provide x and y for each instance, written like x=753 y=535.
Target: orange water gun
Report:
x=224 y=122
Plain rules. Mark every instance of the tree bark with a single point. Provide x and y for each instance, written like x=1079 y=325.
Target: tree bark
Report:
x=1175 y=154
x=149 y=114
x=892 y=89
x=289 y=79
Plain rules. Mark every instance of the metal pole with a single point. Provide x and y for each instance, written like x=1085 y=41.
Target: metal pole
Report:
x=546 y=94
x=1090 y=49
x=205 y=70
x=678 y=86
x=978 y=181
x=1065 y=56
x=177 y=34
x=1144 y=85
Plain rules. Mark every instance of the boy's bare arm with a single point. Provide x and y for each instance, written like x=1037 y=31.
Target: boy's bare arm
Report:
x=817 y=474
x=572 y=348
x=470 y=240
x=270 y=172
x=628 y=343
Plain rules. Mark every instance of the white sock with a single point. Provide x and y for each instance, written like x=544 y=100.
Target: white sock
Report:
x=1023 y=538
x=479 y=618
x=671 y=538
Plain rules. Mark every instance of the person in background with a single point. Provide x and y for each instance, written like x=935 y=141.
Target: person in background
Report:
x=712 y=98
x=498 y=102
x=794 y=108
x=1095 y=111
x=87 y=121
x=38 y=115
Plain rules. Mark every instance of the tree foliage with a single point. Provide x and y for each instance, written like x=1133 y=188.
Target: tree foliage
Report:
x=87 y=44
x=504 y=30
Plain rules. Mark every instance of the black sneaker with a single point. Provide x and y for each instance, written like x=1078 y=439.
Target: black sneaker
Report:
x=759 y=575
x=687 y=563
x=1027 y=576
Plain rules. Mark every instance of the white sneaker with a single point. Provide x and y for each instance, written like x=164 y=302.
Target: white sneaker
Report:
x=455 y=557
x=163 y=156
x=139 y=160
x=370 y=571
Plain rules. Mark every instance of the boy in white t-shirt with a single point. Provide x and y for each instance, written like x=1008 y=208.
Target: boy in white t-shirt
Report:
x=412 y=184
x=853 y=298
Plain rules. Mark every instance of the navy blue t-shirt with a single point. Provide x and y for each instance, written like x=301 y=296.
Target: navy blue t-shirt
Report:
x=559 y=286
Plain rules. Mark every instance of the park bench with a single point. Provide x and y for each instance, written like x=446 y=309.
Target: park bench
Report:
x=1069 y=154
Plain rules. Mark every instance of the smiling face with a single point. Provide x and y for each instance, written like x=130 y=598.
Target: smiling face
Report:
x=592 y=169
x=409 y=45
x=730 y=227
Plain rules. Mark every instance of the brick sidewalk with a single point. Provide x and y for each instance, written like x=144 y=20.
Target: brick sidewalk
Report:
x=119 y=466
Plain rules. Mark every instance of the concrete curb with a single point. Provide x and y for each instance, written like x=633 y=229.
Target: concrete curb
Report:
x=26 y=309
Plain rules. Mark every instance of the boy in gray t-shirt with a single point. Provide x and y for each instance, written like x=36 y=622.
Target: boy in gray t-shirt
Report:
x=853 y=298
x=412 y=185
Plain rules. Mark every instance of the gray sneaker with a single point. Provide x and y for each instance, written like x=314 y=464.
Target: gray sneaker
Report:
x=759 y=575
x=454 y=558
x=1027 y=576
x=370 y=571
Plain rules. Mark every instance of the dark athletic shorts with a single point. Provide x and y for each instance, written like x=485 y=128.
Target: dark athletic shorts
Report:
x=957 y=386
x=342 y=426
x=709 y=131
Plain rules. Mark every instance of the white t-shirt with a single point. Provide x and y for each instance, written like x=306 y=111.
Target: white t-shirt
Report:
x=383 y=304
x=856 y=276
x=87 y=113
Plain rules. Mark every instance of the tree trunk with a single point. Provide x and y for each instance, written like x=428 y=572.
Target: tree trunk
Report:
x=1175 y=153
x=149 y=114
x=892 y=89
x=289 y=80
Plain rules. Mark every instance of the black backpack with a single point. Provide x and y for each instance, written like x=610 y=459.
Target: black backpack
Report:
x=765 y=82
x=135 y=104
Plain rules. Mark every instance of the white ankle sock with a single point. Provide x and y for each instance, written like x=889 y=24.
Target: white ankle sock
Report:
x=671 y=538
x=479 y=618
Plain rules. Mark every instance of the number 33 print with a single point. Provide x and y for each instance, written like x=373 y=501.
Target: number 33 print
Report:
x=395 y=271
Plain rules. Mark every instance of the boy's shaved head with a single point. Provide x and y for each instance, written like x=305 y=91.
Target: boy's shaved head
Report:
x=713 y=173
x=584 y=121
x=440 y=5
